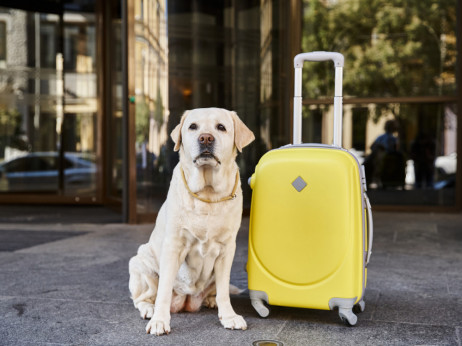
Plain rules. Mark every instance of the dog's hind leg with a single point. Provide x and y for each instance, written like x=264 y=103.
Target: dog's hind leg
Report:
x=143 y=287
x=206 y=298
x=178 y=302
x=210 y=297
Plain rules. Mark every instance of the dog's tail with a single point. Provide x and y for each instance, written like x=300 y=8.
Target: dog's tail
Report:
x=235 y=290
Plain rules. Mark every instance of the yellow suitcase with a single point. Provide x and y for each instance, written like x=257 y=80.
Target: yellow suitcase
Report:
x=311 y=226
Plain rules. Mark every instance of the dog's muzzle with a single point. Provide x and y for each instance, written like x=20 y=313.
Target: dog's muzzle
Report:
x=206 y=143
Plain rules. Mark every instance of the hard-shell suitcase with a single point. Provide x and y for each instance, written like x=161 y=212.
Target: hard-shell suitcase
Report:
x=310 y=233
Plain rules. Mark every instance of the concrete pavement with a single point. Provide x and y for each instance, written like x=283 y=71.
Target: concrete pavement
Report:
x=65 y=282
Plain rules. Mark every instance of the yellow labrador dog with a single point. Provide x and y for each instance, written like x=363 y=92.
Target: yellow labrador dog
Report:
x=187 y=261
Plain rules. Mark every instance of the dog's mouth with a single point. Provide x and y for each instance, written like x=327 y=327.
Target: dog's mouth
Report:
x=206 y=155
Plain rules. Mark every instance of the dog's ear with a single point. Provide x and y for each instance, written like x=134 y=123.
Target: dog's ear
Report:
x=242 y=134
x=176 y=133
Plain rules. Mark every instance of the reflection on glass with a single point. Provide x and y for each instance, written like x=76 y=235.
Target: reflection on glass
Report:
x=227 y=54
x=38 y=171
x=47 y=102
x=391 y=48
x=410 y=154
x=28 y=94
x=79 y=136
x=151 y=111
x=416 y=154
x=115 y=177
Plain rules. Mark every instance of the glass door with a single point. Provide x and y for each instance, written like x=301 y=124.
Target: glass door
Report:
x=79 y=135
x=149 y=157
x=48 y=103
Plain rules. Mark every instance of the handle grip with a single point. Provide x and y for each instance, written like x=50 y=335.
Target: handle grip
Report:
x=337 y=58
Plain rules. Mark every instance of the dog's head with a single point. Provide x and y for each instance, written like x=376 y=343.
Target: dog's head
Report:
x=211 y=135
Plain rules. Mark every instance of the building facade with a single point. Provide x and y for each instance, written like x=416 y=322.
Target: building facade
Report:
x=90 y=91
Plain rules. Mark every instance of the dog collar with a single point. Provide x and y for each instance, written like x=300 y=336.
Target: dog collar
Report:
x=195 y=195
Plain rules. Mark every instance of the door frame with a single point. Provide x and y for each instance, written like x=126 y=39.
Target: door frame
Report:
x=129 y=213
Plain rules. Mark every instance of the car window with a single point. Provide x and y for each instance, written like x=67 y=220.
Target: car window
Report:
x=18 y=165
x=68 y=163
x=31 y=164
x=48 y=163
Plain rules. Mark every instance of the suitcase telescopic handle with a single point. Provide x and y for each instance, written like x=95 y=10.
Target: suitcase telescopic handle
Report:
x=338 y=60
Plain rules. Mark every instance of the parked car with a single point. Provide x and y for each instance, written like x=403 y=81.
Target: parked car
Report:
x=445 y=166
x=446 y=169
x=39 y=171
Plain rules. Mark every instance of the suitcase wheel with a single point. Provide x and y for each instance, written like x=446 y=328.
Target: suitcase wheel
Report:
x=259 y=307
x=347 y=316
x=360 y=307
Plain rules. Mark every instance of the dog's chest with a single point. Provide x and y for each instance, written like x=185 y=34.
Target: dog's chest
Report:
x=196 y=271
x=206 y=227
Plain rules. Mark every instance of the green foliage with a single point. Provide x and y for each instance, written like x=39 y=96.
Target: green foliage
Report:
x=144 y=112
x=159 y=108
x=141 y=120
x=10 y=122
x=391 y=48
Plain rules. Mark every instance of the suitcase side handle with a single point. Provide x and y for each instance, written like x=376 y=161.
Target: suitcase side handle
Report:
x=370 y=229
x=338 y=60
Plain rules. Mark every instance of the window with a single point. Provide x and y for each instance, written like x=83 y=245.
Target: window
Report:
x=399 y=86
x=391 y=48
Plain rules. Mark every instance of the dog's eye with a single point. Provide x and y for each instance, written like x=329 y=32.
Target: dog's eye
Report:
x=193 y=126
x=221 y=127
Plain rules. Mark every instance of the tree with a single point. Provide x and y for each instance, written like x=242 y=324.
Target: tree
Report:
x=391 y=48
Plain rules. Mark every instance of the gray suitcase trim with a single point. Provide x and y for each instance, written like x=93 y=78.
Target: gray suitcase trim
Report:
x=345 y=309
x=256 y=299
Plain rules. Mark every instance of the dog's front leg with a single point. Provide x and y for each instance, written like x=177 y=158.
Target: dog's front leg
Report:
x=229 y=319
x=169 y=264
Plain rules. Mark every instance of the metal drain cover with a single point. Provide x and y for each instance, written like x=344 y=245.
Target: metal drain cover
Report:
x=267 y=343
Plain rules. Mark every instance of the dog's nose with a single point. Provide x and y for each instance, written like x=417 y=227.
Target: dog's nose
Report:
x=206 y=139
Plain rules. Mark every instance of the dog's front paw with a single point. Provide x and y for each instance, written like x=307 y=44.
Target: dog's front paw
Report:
x=146 y=310
x=158 y=327
x=235 y=322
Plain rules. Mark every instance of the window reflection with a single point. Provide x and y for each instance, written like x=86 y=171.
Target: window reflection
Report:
x=391 y=48
x=27 y=102
x=395 y=53
x=152 y=104
x=38 y=172
x=410 y=155
x=214 y=60
x=114 y=183
x=417 y=156
x=48 y=138
x=80 y=90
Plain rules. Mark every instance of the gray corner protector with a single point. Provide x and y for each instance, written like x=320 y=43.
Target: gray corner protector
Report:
x=256 y=299
x=260 y=295
x=344 y=303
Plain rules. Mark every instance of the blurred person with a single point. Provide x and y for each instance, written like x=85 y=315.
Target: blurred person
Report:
x=385 y=166
x=388 y=141
x=423 y=153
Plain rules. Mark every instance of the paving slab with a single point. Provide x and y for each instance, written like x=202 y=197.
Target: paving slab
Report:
x=72 y=289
